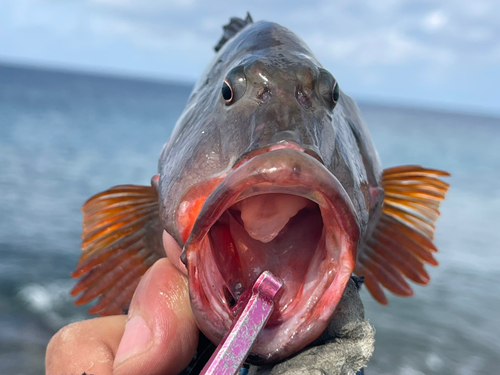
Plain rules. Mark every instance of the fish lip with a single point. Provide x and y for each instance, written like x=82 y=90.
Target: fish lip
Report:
x=311 y=151
x=278 y=170
x=232 y=188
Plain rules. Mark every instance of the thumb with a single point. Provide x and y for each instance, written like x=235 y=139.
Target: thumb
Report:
x=160 y=334
x=158 y=337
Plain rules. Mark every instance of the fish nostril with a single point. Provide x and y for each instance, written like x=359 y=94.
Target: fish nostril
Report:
x=303 y=96
x=264 y=95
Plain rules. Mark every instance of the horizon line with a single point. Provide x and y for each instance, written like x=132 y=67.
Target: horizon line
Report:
x=99 y=72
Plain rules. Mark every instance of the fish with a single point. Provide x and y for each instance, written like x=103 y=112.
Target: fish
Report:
x=270 y=167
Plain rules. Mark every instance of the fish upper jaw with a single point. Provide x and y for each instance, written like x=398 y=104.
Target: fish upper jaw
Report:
x=312 y=249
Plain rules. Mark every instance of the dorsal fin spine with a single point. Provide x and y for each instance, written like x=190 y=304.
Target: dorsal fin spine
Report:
x=232 y=28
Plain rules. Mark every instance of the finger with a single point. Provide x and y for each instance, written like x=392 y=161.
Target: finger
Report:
x=85 y=347
x=161 y=334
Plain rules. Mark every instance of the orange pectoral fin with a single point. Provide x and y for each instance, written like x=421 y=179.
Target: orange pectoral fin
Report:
x=121 y=239
x=401 y=243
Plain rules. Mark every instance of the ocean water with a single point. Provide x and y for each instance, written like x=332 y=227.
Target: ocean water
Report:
x=66 y=136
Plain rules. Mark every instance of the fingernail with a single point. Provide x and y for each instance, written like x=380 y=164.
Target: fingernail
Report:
x=136 y=338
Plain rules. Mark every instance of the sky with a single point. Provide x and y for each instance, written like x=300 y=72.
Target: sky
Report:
x=427 y=53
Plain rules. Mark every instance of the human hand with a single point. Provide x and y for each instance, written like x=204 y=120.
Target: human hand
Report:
x=158 y=336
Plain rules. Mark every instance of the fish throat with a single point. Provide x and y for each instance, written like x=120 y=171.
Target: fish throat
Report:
x=281 y=233
x=281 y=211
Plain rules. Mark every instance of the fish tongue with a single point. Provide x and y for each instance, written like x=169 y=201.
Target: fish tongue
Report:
x=264 y=216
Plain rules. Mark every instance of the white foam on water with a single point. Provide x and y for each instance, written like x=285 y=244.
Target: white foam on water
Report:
x=434 y=362
x=407 y=370
x=52 y=302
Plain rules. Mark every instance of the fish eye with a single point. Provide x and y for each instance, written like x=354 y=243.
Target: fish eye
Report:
x=328 y=89
x=234 y=85
x=227 y=91
x=335 y=93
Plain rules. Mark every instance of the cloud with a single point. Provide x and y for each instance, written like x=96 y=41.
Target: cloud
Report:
x=436 y=41
x=363 y=32
x=434 y=21
x=150 y=6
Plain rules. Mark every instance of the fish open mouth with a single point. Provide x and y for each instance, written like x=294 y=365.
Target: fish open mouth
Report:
x=284 y=212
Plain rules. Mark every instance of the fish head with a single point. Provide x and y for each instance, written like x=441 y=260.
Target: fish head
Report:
x=268 y=169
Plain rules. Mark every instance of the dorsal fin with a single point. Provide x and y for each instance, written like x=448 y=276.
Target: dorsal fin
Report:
x=121 y=239
x=232 y=28
x=401 y=243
